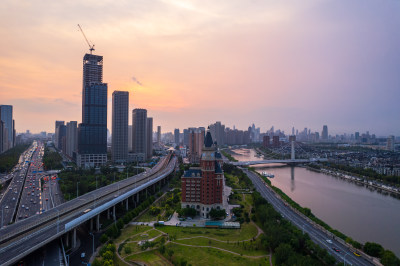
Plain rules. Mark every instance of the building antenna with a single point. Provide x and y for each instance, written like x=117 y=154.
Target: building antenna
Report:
x=91 y=47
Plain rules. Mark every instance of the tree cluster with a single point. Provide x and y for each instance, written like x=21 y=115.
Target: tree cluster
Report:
x=217 y=214
x=9 y=158
x=52 y=160
x=290 y=245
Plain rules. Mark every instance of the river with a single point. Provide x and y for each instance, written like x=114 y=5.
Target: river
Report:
x=359 y=212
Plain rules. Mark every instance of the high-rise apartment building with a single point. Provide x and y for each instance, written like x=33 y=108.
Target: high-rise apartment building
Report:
x=158 y=134
x=149 y=138
x=92 y=132
x=196 y=140
x=176 y=136
x=129 y=138
x=71 y=138
x=390 y=143
x=266 y=142
x=139 y=128
x=324 y=135
x=2 y=134
x=57 y=136
x=120 y=120
x=6 y=115
x=203 y=187
x=186 y=137
x=217 y=131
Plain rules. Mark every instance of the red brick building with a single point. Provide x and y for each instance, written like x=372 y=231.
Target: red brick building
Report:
x=203 y=187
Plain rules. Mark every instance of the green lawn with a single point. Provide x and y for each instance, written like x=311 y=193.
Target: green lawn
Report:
x=247 y=231
x=149 y=257
x=145 y=235
x=210 y=256
x=130 y=231
x=251 y=248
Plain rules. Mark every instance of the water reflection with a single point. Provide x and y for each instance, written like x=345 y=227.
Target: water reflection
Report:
x=292 y=183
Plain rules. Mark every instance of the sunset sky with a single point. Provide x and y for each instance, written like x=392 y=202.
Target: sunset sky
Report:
x=282 y=63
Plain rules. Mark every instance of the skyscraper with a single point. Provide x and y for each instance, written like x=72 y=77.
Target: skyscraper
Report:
x=149 y=138
x=129 y=138
x=6 y=115
x=57 y=137
x=217 y=131
x=2 y=133
x=71 y=138
x=196 y=140
x=176 y=136
x=158 y=134
x=120 y=117
x=92 y=132
x=186 y=137
x=139 y=136
x=324 y=134
x=390 y=143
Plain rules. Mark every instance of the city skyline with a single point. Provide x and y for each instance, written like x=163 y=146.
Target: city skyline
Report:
x=237 y=62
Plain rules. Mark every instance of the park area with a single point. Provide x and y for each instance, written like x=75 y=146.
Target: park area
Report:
x=164 y=245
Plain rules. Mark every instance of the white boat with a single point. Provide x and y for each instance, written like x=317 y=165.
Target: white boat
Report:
x=267 y=174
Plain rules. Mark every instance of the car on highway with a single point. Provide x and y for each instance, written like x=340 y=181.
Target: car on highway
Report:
x=357 y=254
x=336 y=249
x=329 y=241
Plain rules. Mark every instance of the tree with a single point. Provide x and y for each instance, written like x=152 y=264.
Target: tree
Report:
x=108 y=255
x=103 y=238
x=217 y=214
x=389 y=259
x=282 y=253
x=127 y=250
x=170 y=253
x=373 y=249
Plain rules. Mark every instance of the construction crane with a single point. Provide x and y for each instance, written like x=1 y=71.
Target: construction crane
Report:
x=91 y=47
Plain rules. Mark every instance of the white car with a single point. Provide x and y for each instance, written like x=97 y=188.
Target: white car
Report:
x=329 y=241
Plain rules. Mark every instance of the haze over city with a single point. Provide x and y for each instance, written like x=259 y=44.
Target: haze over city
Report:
x=301 y=64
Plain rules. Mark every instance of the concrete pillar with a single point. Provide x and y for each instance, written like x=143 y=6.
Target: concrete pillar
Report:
x=67 y=239
x=91 y=224
x=292 y=157
x=74 y=238
x=114 y=217
x=98 y=222
x=137 y=197
x=126 y=204
x=108 y=214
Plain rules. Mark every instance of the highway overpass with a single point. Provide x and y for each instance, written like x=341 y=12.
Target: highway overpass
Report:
x=22 y=238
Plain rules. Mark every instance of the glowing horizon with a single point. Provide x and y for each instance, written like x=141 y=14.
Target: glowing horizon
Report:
x=270 y=63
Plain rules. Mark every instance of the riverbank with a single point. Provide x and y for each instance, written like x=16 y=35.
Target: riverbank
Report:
x=365 y=219
x=359 y=180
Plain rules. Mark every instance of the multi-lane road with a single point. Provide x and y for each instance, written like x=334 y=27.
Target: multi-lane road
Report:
x=10 y=199
x=31 y=193
x=344 y=254
x=29 y=234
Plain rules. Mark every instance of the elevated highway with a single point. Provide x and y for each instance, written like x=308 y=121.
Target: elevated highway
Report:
x=22 y=238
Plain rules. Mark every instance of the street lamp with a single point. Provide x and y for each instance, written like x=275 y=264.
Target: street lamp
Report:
x=93 y=243
x=77 y=188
